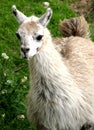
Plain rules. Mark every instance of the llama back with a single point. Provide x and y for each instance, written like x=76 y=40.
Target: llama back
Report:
x=74 y=27
x=78 y=51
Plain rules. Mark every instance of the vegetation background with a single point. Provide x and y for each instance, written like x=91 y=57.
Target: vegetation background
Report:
x=14 y=75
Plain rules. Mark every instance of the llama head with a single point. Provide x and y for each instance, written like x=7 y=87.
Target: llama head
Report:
x=31 y=32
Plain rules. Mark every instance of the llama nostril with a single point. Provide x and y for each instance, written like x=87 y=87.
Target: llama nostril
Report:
x=25 y=50
x=22 y=49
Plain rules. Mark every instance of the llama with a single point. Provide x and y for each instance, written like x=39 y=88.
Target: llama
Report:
x=61 y=95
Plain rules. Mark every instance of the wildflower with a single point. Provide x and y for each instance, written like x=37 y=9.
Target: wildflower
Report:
x=4 y=91
x=4 y=55
x=5 y=74
x=3 y=115
x=20 y=116
x=9 y=81
x=24 y=79
x=46 y=4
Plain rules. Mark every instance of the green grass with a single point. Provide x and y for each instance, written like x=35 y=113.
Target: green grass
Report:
x=13 y=89
x=90 y=19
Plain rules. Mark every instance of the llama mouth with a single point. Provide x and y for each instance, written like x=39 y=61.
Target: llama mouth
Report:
x=24 y=56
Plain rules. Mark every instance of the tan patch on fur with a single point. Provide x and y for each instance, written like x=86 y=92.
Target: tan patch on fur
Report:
x=30 y=26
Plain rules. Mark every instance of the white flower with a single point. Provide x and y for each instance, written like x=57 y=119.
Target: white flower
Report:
x=4 y=91
x=23 y=79
x=4 y=55
x=5 y=74
x=9 y=81
x=46 y=4
x=20 y=117
x=3 y=115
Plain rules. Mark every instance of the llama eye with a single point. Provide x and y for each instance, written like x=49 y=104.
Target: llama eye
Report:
x=39 y=37
x=18 y=36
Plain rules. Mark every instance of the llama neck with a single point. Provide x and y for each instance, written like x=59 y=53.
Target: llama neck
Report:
x=50 y=65
x=47 y=61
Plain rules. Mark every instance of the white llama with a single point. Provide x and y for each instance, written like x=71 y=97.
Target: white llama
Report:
x=61 y=95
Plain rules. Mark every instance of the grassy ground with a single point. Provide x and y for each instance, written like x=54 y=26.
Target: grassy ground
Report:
x=14 y=75
x=90 y=19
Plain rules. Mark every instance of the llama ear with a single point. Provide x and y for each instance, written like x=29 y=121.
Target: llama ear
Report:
x=19 y=15
x=44 y=19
